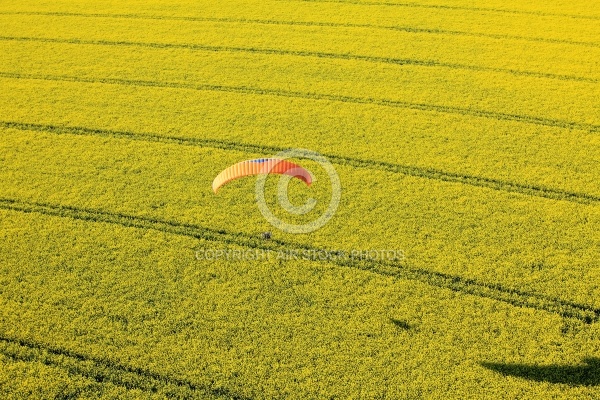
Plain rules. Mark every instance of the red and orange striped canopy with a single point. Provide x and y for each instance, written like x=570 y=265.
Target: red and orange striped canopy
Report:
x=261 y=166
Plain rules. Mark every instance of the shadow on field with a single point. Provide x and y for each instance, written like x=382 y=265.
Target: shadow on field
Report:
x=584 y=375
x=401 y=324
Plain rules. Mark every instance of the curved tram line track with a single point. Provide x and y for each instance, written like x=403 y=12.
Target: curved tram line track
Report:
x=409 y=170
x=498 y=292
x=408 y=29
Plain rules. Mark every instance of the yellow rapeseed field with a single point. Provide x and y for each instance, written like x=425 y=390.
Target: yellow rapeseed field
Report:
x=466 y=137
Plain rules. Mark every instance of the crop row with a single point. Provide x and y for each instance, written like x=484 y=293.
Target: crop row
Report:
x=172 y=182
x=517 y=55
x=509 y=151
x=520 y=25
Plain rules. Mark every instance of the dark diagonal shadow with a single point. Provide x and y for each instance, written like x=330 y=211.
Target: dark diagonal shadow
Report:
x=587 y=374
x=401 y=324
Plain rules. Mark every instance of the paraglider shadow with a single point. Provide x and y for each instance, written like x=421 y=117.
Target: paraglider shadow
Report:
x=584 y=375
x=401 y=324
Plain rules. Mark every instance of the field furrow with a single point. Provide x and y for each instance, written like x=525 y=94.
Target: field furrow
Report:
x=487 y=252
x=515 y=55
x=511 y=151
x=139 y=300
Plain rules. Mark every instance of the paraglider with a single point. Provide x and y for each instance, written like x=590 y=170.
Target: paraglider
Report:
x=261 y=166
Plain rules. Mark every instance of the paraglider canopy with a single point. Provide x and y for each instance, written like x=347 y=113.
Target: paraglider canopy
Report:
x=261 y=166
